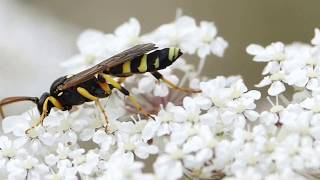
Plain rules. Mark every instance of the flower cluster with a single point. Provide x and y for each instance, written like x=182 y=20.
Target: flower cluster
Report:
x=215 y=134
x=296 y=65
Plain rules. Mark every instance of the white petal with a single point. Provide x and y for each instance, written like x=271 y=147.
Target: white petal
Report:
x=86 y=134
x=272 y=67
x=264 y=82
x=161 y=90
x=251 y=115
x=129 y=29
x=255 y=49
x=194 y=83
x=150 y=130
x=316 y=38
x=91 y=42
x=276 y=88
x=51 y=159
x=193 y=144
x=203 y=103
x=315 y=132
x=146 y=84
x=208 y=28
x=144 y=151
x=297 y=77
x=190 y=105
x=185 y=24
x=313 y=84
x=308 y=103
x=218 y=46
x=203 y=51
x=204 y=155
x=253 y=94
x=168 y=170
x=15 y=124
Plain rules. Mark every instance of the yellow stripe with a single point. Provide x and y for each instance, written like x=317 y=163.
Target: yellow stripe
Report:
x=54 y=101
x=143 y=64
x=83 y=92
x=156 y=63
x=171 y=53
x=105 y=87
x=111 y=81
x=126 y=67
x=176 y=53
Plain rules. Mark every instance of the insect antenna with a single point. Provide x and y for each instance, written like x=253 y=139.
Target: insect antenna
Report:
x=10 y=100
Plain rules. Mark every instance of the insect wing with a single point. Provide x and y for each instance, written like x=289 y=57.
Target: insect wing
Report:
x=122 y=57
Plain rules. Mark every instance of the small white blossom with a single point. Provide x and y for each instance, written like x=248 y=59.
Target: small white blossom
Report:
x=316 y=38
x=226 y=131
x=209 y=42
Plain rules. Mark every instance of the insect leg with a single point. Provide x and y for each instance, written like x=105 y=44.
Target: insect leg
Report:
x=85 y=93
x=159 y=76
x=124 y=91
x=103 y=112
x=45 y=110
x=121 y=80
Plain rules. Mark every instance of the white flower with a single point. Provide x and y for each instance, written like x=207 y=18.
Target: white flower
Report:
x=209 y=42
x=35 y=138
x=275 y=80
x=312 y=104
x=104 y=140
x=149 y=84
x=181 y=33
x=161 y=125
x=122 y=166
x=216 y=90
x=19 y=124
x=10 y=149
x=94 y=46
x=134 y=143
x=273 y=52
x=128 y=33
x=85 y=163
x=169 y=166
x=25 y=168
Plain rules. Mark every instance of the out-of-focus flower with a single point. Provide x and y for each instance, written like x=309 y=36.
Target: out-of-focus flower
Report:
x=209 y=42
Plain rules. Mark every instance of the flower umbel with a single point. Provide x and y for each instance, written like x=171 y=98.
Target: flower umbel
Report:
x=214 y=134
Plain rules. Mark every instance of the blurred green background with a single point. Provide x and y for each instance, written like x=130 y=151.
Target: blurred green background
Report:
x=58 y=23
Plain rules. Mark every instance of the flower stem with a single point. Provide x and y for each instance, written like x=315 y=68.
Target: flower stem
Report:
x=200 y=66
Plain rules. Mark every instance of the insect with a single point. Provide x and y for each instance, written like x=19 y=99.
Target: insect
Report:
x=97 y=82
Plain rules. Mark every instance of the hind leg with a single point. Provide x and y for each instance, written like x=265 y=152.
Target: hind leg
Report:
x=159 y=76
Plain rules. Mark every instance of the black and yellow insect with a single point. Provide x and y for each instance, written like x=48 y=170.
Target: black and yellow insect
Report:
x=97 y=82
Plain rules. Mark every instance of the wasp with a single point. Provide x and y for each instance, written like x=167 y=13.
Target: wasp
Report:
x=98 y=81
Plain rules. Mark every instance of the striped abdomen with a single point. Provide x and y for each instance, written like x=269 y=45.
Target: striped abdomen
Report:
x=151 y=62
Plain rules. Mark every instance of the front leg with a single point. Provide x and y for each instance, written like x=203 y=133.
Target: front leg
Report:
x=45 y=111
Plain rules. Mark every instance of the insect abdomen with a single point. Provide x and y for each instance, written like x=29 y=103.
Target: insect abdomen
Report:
x=153 y=61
